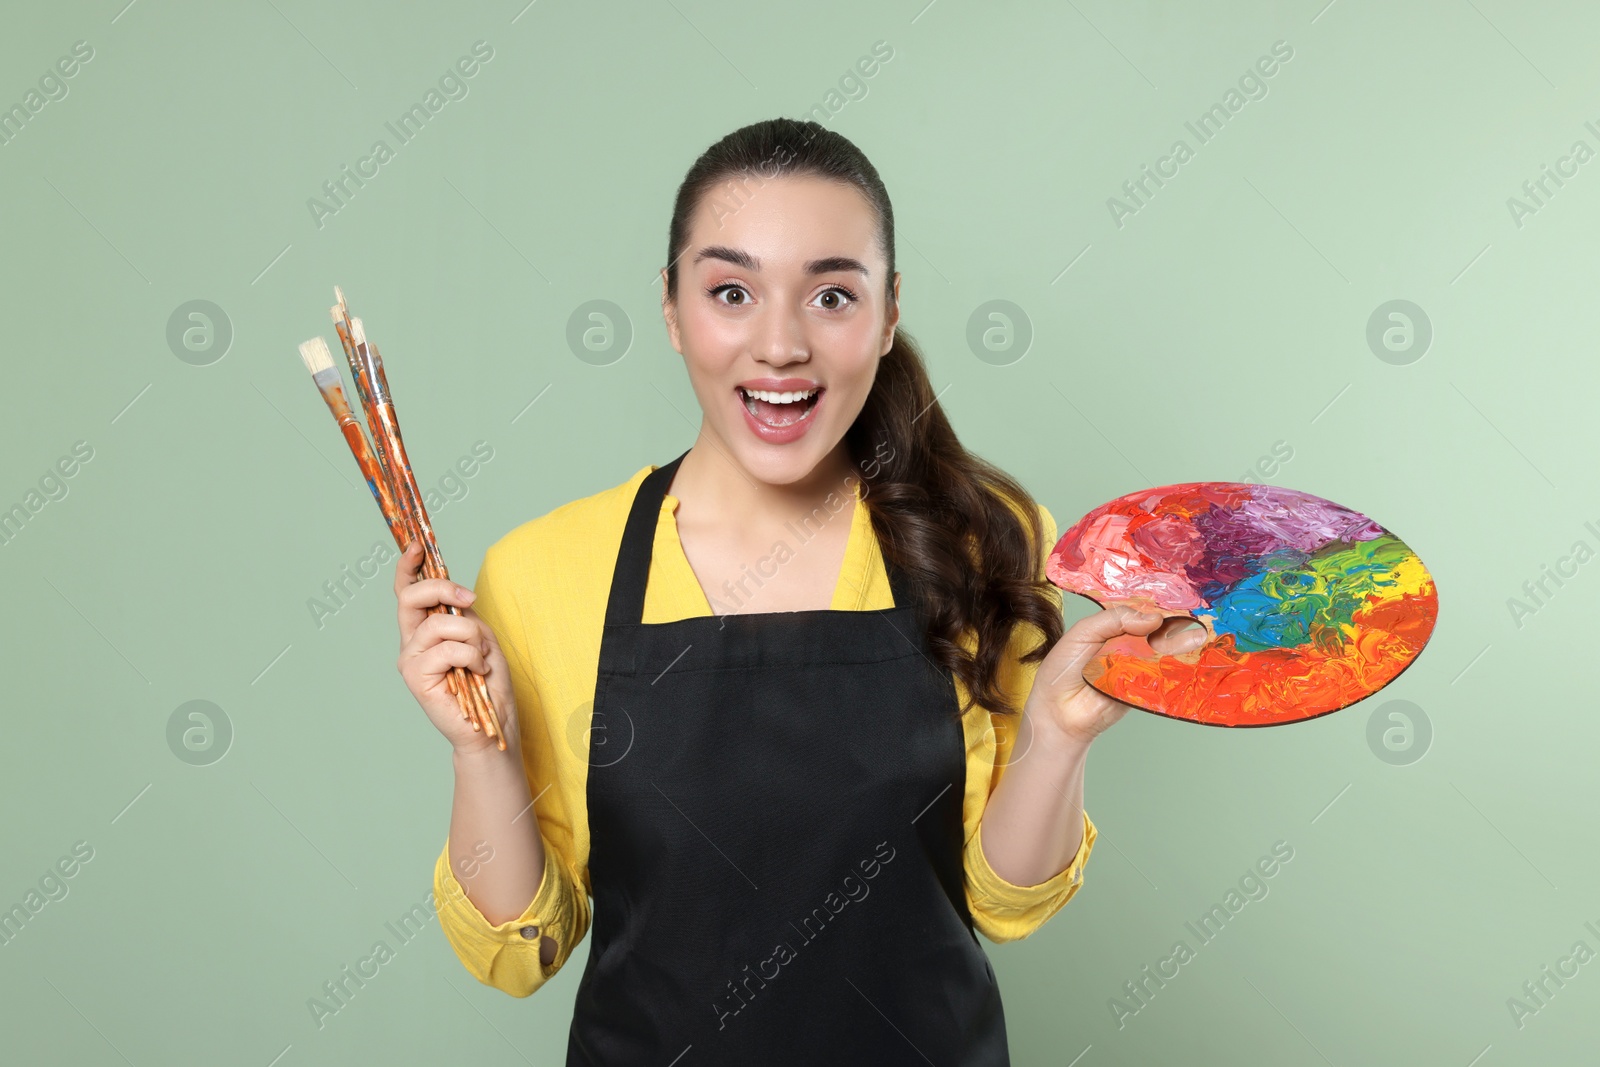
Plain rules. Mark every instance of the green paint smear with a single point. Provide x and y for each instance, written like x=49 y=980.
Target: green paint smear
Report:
x=1300 y=599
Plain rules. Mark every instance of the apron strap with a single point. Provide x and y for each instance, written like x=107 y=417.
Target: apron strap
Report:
x=625 y=605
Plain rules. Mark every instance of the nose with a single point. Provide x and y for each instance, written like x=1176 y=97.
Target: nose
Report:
x=780 y=337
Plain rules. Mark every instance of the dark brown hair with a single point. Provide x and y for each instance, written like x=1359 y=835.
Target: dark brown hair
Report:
x=940 y=512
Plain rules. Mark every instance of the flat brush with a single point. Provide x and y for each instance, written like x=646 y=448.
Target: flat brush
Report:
x=319 y=361
x=343 y=325
x=366 y=366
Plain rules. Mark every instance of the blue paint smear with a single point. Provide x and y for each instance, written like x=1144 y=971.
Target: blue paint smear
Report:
x=1261 y=610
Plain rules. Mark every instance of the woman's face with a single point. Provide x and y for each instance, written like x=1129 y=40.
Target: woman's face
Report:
x=781 y=317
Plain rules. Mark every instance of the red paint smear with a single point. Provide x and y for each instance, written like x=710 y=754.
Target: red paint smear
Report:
x=1226 y=687
x=1170 y=503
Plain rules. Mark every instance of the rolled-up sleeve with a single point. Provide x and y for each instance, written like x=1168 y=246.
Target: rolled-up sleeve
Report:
x=506 y=955
x=1003 y=911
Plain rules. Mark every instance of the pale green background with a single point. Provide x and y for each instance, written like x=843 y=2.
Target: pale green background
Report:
x=1222 y=318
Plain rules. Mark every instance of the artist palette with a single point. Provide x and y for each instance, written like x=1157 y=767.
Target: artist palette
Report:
x=1308 y=606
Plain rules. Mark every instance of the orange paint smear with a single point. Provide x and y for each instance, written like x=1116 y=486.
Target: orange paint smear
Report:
x=1222 y=686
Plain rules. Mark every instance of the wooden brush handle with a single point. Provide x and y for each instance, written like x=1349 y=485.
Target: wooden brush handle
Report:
x=468 y=687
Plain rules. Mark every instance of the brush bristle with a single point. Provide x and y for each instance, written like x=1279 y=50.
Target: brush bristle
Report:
x=314 y=353
x=338 y=294
x=336 y=314
x=357 y=333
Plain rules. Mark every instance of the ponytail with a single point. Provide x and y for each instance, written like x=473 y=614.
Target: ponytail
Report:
x=942 y=516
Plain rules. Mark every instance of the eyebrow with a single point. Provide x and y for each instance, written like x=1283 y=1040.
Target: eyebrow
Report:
x=740 y=257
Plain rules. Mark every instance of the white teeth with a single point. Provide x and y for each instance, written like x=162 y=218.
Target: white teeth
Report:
x=779 y=398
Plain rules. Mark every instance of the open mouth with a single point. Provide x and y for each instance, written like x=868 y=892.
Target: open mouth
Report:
x=779 y=409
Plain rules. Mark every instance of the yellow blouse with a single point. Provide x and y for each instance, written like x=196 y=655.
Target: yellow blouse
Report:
x=542 y=589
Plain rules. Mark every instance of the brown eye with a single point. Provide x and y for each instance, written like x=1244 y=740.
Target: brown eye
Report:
x=835 y=298
x=716 y=291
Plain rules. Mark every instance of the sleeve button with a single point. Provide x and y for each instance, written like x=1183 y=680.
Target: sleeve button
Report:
x=530 y=932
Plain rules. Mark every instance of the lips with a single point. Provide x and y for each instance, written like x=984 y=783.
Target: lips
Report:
x=779 y=410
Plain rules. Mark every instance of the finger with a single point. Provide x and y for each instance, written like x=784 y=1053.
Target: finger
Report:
x=1177 y=634
x=445 y=627
x=497 y=658
x=424 y=593
x=416 y=599
x=1112 y=622
x=405 y=576
x=437 y=660
x=405 y=570
x=1083 y=640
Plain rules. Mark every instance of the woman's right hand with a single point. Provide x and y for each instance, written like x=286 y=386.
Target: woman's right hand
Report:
x=431 y=644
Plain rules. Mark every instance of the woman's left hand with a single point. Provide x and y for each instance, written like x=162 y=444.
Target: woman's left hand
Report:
x=1068 y=703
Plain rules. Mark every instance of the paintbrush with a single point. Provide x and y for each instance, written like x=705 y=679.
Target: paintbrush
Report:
x=373 y=388
x=470 y=690
x=319 y=361
x=359 y=373
x=397 y=498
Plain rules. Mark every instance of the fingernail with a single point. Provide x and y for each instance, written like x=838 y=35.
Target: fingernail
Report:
x=468 y=595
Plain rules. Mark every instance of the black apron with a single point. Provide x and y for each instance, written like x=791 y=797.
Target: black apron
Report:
x=776 y=840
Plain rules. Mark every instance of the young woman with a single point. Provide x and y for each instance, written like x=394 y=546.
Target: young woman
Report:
x=796 y=709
